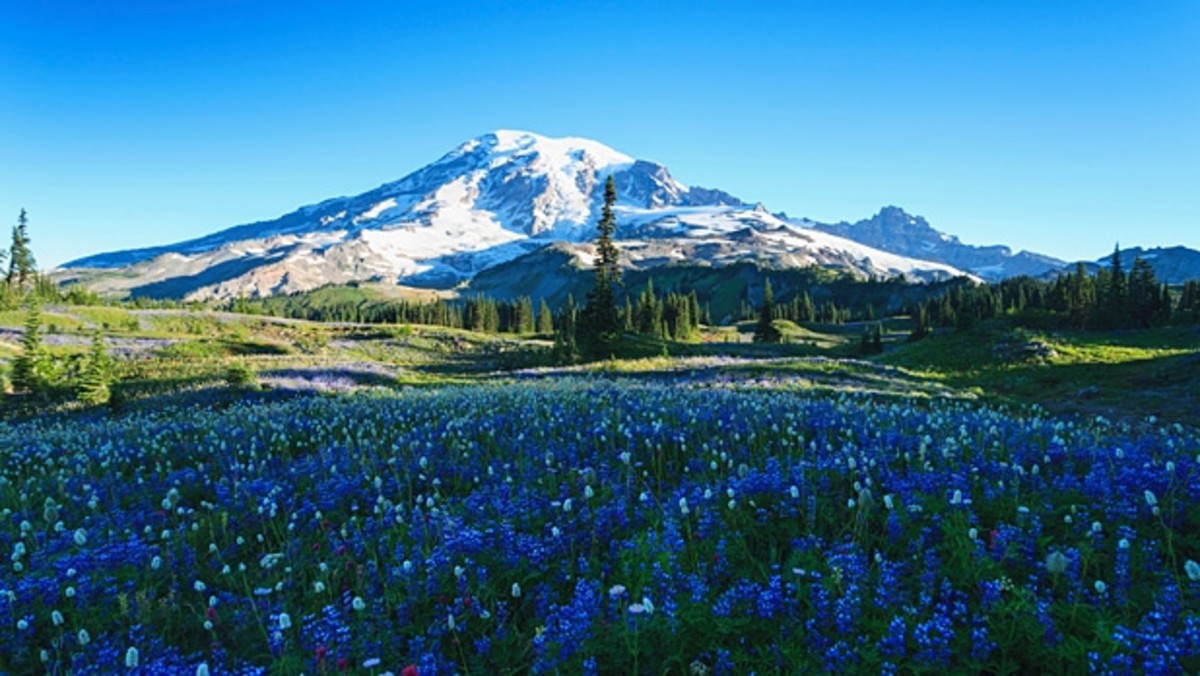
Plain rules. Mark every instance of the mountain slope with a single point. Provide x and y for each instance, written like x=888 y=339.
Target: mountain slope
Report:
x=491 y=200
x=897 y=232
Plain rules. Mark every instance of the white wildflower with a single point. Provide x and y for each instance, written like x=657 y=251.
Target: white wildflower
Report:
x=1056 y=563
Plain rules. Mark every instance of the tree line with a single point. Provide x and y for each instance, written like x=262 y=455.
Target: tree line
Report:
x=1110 y=298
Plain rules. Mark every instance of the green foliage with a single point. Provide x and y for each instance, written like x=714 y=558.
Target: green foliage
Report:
x=30 y=368
x=240 y=375
x=872 y=340
x=545 y=319
x=76 y=294
x=675 y=317
x=1108 y=299
x=93 y=386
x=566 y=346
x=765 y=331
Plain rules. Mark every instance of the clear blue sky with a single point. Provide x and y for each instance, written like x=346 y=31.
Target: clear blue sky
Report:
x=1060 y=127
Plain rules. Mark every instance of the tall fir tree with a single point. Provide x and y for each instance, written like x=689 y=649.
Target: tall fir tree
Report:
x=765 y=331
x=600 y=323
x=21 y=265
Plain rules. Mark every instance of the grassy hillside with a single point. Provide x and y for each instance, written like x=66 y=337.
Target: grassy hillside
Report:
x=1129 y=374
x=1122 y=375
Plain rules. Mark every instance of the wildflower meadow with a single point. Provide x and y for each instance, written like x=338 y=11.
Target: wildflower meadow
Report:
x=593 y=525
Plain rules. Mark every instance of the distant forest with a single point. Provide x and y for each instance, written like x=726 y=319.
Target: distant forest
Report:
x=673 y=303
x=1110 y=299
x=668 y=303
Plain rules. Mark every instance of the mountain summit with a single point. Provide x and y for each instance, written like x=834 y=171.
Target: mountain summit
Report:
x=490 y=200
x=894 y=230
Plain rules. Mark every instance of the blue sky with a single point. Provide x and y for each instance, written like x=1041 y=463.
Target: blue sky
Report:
x=1058 y=127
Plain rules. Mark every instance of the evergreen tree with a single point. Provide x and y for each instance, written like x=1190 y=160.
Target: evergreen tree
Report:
x=765 y=331
x=648 y=311
x=921 y=328
x=1115 y=301
x=1144 y=296
x=1081 y=296
x=872 y=339
x=94 y=381
x=28 y=368
x=1188 y=307
x=566 y=348
x=808 y=310
x=21 y=265
x=600 y=323
x=545 y=320
x=525 y=319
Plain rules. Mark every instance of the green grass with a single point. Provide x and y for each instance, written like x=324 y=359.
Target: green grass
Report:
x=60 y=322
x=107 y=318
x=1125 y=375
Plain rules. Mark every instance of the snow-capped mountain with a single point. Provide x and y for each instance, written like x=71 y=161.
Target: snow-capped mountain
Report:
x=894 y=230
x=490 y=200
